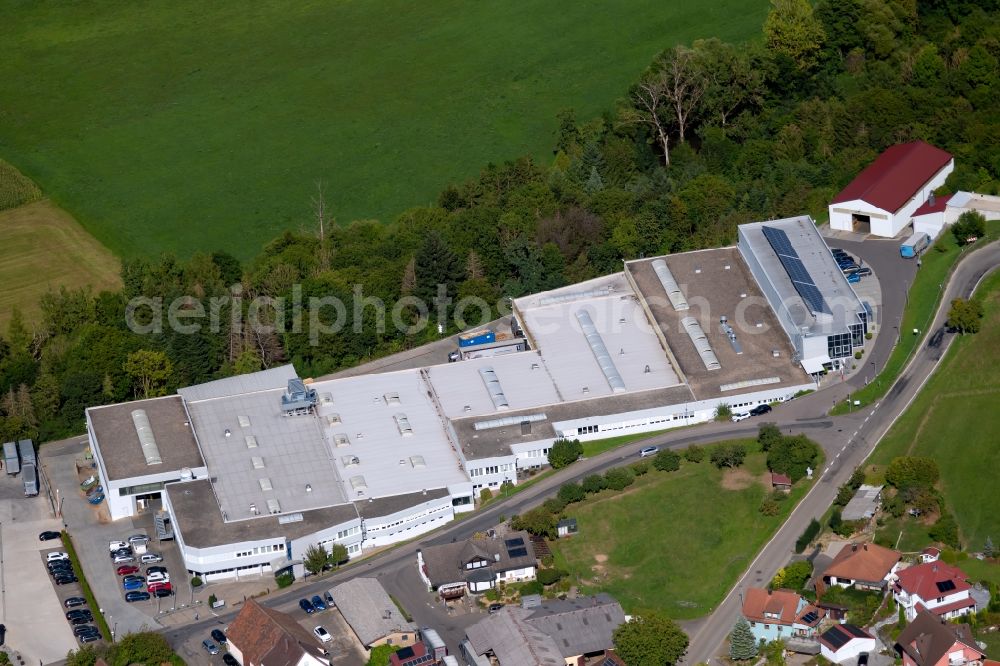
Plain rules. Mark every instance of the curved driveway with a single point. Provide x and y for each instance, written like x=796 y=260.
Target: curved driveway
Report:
x=847 y=440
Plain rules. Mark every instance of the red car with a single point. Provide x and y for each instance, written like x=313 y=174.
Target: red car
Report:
x=127 y=569
x=154 y=587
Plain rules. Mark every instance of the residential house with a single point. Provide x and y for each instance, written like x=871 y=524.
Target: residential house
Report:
x=935 y=586
x=864 y=505
x=866 y=566
x=477 y=564
x=882 y=199
x=780 y=614
x=371 y=614
x=842 y=643
x=412 y=655
x=930 y=640
x=558 y=632
x=261 y=636
x=781 y=482
x=938 y=212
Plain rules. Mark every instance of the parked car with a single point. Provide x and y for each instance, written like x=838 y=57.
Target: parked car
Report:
x=96 y=499
x=864 y=271
x=61 y=565
x=48 y=535
x=132 y=585
x=89 y=483
x=127 y=569
x=306 y=606
x=149 y=558
x=210 y=647
x=649 y=451
x=3 y=634
x=760 y=410
x=330 y=603
x=73 y=602
x=151 y=570
x=317 y=603
x=52 y=557
x=495 y=607
x=117 y=545
x=848 y=268
x=84 y=629
x=136 y=596
x=95 y=490
x=157 y=577
x=229 y=660
x=162 y=590
x=76 y=621
x=138 y=538
x=133 y=577
x=153 y=588
x=740 y=416
x=123 y=559
x=218 y=636
x=322 y=634
x=65 y=580
x=853 y=278
x=78 y=612
x=89 y=638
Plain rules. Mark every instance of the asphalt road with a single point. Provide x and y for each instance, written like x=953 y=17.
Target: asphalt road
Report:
x=847 y=440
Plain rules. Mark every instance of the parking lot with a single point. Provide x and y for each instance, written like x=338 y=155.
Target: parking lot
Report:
x=30 y=606
x=65 y=465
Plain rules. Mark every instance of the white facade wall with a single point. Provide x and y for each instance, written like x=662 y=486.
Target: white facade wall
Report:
x=842 y=215
x=349 y=533
x=532 y=454
x=492 y=472
x=850 y=651
x=909 y=603
x=411 y=522
x=670 y=416
x=516 y=575
x=931 y=224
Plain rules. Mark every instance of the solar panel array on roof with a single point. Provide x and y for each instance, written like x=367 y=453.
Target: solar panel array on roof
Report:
x=796 y=270
x=810 y=617
x=514 y=543
x=945 y=585
x=517 y=552
x=836 y=637
x=858 y=632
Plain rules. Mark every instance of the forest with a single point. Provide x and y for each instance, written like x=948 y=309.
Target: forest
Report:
x=709 y=136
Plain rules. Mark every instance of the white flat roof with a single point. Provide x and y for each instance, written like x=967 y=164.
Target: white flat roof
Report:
x=551 y=323
x=272 y=457
x=522 y=377
x=818 y=261
x=389 y=424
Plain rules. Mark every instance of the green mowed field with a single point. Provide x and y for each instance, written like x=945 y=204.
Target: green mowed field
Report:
x=955 y=420
x=673 y=541
x=188 y=126
x=42 y=248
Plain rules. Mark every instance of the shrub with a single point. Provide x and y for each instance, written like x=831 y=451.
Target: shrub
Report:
x=794 y=576
x=694 y=453
x=768 y=434
x=945 y=530
x=550 y=576
x=212 y=599
x=792 y=456
x=640 y=468
x=778 y=495
x=534 y=587
x=723 y=412
x=284 y=580
x=537 y=521
x=667 y=461
x=491 y=595
x=858 y=354
x=869 y=335
x=571 y=492
x=554 y=505
x=548 y=560
x=564 y=452
x=485 y=495
x=196 y=581
x=728 y=455
x=912 y=472
x=769 y=507
x=619 y=478
x=593 y=484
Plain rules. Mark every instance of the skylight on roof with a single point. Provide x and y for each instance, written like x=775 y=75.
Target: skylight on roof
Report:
x=244 y=421
x=257 y=462
x=251 y=441
x=265 y=484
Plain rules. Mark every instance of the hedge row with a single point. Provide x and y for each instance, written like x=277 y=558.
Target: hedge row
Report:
x=88 y=594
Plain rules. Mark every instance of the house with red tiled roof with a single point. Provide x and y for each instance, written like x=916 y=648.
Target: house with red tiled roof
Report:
x=883 y=198
x=780 y=614
x=866 y=566
x=261 y=636
x=934 y=586
x=933 y=641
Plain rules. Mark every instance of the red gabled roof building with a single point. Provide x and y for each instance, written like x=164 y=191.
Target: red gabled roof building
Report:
x=932 y=641
x=934 y=586
x=884 y=197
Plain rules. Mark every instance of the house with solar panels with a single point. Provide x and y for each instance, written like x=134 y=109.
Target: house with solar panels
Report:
x=478 y=564
x=808 y=292
x=843 y=643
x=780 y=615
x=935 y=586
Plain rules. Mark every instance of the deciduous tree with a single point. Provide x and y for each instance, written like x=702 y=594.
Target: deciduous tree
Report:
x=149 y=371
x=792 y=30
x=564 y=452
x=315 y=559
x=650 y=639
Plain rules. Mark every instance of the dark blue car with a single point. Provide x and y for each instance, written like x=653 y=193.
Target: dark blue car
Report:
x=96 y=499
x=317 y=603
x=306 y=606
x=132 y=584
x=136 y=596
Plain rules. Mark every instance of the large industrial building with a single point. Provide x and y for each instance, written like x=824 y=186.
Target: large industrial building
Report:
x=254 y=469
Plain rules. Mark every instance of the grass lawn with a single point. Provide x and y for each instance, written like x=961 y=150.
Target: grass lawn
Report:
x=190 y=126
x=42 y=247
x=955 y=419
x=598 y=446
x=673 y=541
x=921 y=305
